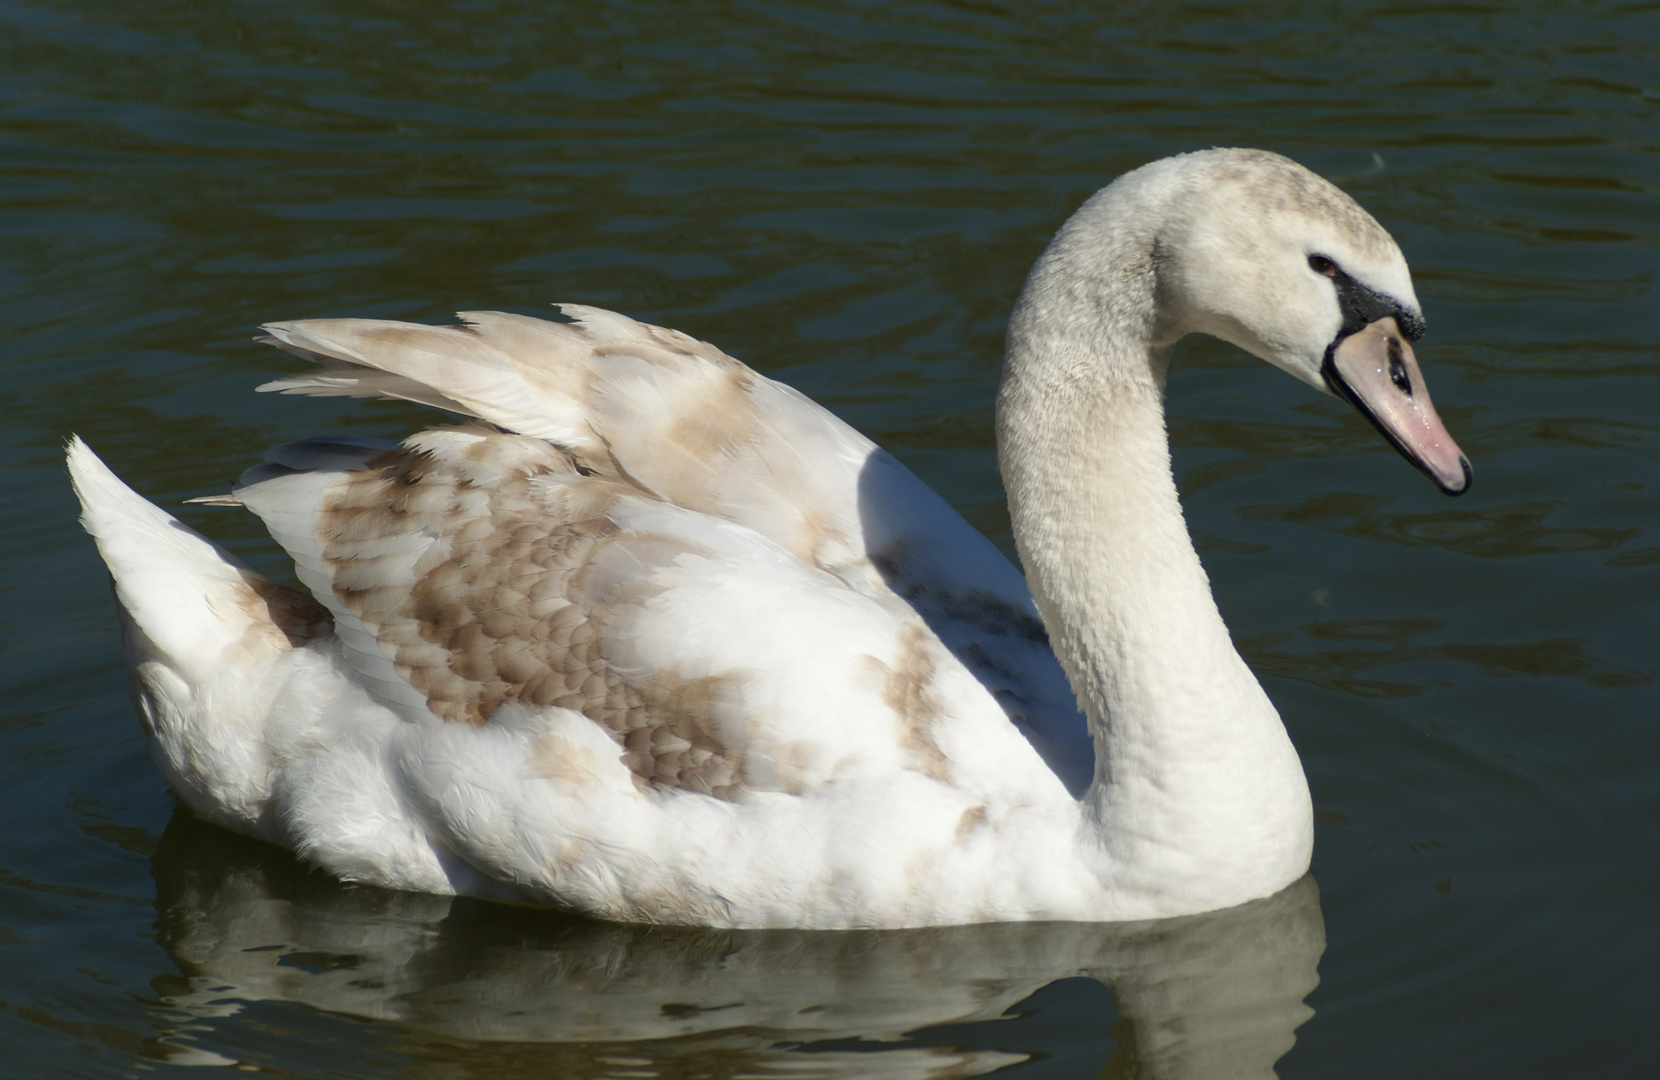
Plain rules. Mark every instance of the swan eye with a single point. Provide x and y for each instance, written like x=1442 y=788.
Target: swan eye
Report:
x=1322 y=265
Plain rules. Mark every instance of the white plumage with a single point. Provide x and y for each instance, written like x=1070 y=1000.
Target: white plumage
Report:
x=655 y=638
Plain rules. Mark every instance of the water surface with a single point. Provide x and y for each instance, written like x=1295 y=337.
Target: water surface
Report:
x=847 y=197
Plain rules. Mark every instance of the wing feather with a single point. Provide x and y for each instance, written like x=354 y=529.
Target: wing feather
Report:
x=472 y=572
x=690 y=426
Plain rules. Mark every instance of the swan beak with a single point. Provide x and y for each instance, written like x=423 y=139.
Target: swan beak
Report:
x=1374 y=370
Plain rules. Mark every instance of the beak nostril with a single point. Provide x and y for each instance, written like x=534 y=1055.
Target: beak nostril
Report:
x=1397 y=368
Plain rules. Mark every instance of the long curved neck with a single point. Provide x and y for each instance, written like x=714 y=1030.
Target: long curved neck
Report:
x=1191 y=760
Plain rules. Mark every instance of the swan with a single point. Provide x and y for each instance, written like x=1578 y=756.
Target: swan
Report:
x=653 y=638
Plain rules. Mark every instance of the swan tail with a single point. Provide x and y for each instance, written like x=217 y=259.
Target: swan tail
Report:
x=189 y=604
x=254 y=731
x=204 y=637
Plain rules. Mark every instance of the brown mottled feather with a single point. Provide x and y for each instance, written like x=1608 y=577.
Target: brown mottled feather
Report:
x=908 y=690
x=506 y=606
x=298 y=617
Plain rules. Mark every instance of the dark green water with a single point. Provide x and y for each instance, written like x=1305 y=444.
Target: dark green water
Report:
x=847 y=197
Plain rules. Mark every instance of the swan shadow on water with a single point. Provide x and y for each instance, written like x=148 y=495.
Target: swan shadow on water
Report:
x=483 y=985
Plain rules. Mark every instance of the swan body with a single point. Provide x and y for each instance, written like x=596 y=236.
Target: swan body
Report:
x=651 y=637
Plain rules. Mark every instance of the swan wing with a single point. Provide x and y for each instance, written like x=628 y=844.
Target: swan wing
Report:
x=474 y=576
x=689 y=426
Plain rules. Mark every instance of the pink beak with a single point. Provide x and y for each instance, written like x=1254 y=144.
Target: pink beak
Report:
x=1374 y=370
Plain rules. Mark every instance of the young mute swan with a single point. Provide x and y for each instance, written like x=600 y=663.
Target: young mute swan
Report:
x=654 y=638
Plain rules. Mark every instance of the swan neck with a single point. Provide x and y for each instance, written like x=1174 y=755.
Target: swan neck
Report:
x=1100 y=528
x=1189 y=753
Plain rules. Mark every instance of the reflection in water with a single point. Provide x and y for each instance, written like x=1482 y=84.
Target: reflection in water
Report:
x=472 y=986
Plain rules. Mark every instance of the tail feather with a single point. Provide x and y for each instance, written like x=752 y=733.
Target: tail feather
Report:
x=195 y=607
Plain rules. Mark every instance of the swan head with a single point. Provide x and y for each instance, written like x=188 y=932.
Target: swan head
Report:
x=1262 y=253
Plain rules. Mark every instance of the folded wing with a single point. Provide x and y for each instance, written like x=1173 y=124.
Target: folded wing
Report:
x=682 y=424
